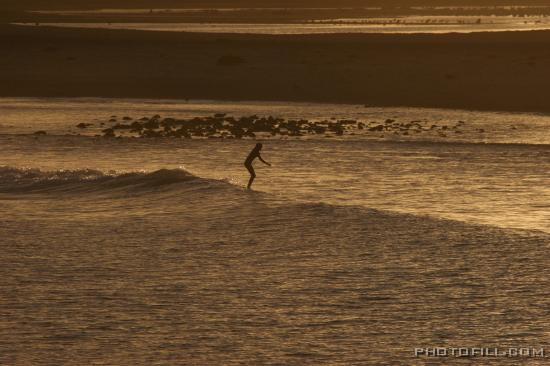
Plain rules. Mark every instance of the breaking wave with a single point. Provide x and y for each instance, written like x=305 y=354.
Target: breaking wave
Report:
x=27 y=180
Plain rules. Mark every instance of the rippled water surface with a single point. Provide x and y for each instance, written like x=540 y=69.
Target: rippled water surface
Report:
x=498 y=177
x=352 y=250
x=416 y=24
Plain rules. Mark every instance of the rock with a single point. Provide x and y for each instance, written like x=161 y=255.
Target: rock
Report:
x=319 y=129
x=336 y=128
x=83 y=125
x=136 y=126
x=40 y=133
x=152 y=124
x=168 y=122
x=126 y=118
x=120 y=126
x=108 y=132
x=151 y=133
x=182 y=132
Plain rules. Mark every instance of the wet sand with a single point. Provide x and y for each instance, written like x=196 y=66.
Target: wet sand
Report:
x=495 y=71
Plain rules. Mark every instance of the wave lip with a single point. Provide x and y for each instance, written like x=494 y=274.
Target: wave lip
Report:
x=22 y=180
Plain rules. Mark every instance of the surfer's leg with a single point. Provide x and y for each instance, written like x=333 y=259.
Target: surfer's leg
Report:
x=252 y=174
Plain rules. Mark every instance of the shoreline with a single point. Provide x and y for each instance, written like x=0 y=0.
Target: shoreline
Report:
x=176 y=100
x=480 y=71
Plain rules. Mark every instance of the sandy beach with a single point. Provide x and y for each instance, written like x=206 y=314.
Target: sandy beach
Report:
x=500 y=71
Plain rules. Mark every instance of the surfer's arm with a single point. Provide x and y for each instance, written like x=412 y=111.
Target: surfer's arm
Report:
x=263 y=161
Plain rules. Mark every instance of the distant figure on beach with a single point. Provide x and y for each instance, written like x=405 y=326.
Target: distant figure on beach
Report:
x=255 y=153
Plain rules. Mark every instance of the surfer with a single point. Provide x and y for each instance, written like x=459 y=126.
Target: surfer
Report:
x=255 y=153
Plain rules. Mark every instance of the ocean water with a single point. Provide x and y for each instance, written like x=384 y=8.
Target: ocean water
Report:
x=351 y=250
x=406 y=25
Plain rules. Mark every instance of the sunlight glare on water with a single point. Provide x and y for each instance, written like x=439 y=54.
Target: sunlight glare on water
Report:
x=141 y=251
x=462 y=178
x=383 y=25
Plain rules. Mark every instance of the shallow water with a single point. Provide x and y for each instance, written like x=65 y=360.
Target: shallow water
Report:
x=498 y=177
x=139 y=251
x=412 y=24
x=59 y=116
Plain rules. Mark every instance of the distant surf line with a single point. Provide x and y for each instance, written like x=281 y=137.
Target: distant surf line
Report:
x=309 y=28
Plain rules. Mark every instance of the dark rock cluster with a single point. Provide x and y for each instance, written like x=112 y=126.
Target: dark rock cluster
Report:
x=222 y=126
x=84 y=125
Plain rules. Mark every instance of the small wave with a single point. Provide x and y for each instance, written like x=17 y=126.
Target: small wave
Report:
x=35 y=180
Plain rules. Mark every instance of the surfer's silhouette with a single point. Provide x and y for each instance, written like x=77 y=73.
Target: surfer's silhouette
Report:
x=255 y=153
